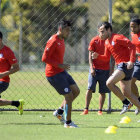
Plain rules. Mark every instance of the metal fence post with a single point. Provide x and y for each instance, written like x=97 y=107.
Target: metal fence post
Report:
x=110 y=21
x=20 y=41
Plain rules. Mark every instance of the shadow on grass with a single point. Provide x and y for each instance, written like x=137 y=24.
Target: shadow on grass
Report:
x=107 y=126
x=31 y=124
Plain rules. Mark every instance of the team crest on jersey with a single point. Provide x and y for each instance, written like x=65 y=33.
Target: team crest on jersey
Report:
x=113 y=43
x=1 y=55
x=106 y=42
x=139 y=38
x=96 y=42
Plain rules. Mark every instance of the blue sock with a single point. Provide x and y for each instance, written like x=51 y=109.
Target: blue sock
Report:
x=66 y=110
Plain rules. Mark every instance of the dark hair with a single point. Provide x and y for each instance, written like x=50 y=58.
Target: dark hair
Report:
x=136 y=20
x=1 y=35
x=107 y=25
x=64 y=24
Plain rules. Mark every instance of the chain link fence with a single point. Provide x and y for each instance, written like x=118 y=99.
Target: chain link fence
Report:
x=27 y=25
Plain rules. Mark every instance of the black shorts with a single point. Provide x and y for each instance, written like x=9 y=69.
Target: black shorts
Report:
x=61 y=82
x=3 y=86
x=128 y=72
x=100 y=77
x=136 y=72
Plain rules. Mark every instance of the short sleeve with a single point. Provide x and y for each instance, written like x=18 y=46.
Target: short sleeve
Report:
x=92 y=45
x=11 y=56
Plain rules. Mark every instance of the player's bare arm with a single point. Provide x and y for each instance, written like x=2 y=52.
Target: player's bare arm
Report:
x=94 y=55
x=64 y=66
x=112 y=65
x=130 y=65
x=14 y=68
x=92 y=70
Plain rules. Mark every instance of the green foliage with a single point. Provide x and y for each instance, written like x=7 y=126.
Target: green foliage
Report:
x=122 y=12
x=40 y=19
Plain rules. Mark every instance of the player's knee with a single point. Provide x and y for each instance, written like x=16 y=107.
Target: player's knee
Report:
x=69 y=97
x=77 y=91
x=127 y=95
x=109 y=84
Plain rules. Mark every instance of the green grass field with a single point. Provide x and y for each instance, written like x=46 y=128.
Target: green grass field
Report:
x=30 y=126
x=38 y=94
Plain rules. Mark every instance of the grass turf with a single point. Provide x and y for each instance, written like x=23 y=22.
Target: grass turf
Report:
x=38 y=94
x=30 y=126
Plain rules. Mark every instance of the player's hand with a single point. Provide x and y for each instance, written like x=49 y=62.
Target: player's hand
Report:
x=2 y=75
x=92 y=71
x=64 y=66
x=130 y=65
x=94 y=55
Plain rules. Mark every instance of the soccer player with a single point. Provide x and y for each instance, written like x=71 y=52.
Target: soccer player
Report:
x=56 y=72
x=99 y=72
x=8 y=66
x=123 y=52
x=135 y=36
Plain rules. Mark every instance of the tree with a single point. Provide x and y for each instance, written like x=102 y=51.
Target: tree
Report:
x=123 y=12
x=40 y=19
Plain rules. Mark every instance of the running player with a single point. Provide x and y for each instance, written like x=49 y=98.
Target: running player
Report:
x=56 y=72
x=135 y=36
x=8 y=66
x=99 y=72
x=123 y=52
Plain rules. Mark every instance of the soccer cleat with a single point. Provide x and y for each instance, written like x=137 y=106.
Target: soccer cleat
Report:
x=70 y=125
x=100 y=113
x=136 y=111
x=59 y=117
x=20 y=107
x=85 y=112
x=125 y=108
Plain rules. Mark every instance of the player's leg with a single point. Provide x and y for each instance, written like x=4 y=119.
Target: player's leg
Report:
x=88 y=98
x=101 y=102
x=62 y=88
x=113 y=79
x=67 y=110
x=92 y=80
x=102 y=78
x=134 y=88
x=4 y=102
x=135 y=91
x=126 y=89
x=75 y=91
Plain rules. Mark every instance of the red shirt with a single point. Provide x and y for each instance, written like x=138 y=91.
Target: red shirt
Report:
x=121 y=49
x=7 y=58
x=136 y=42
x=53 y=55
x=98 y=45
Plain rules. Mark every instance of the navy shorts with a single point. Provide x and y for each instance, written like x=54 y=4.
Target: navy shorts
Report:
x=3 y=86
x=136 y=72
x=128 y=72
x=101 y=77
x=61 y=82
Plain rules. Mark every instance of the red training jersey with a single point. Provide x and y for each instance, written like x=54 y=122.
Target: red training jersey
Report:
x=53 y=55
x=136 y=42
x=120 y=48
x=98 y=45
x=7 y=58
